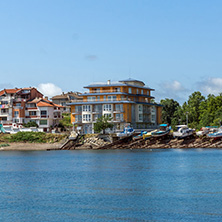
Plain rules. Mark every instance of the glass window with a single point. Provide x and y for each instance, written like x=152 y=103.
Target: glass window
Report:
x=107 y=115
x=16 y=113
x=141 y=91
x=140 y=108
x=78 y=109
x=86 y=117
x=91 y=98
x=104 y=98
x=107 y=107
x=43 y=122
x=32 y=113
x=86 y=108
x=43 y=112
x=140 y=117
x=130 y=90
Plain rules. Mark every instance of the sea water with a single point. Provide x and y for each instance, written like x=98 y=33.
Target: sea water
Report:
x=111 y=185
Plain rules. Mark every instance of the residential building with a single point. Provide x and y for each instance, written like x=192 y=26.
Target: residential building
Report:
x=43 y=112
x=66 y=98
x=27 y=104
x=126 y=102
x=12 y=103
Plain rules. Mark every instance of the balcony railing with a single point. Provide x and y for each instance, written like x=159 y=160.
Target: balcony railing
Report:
x=57 y=117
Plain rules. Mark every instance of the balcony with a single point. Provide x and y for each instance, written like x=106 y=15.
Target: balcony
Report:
x=118 y=111
x=31 y=108
x=57 y=117
x=118 y=120
x=33 y=117
x=102 y=91
x=44 y=116
x=78 y=121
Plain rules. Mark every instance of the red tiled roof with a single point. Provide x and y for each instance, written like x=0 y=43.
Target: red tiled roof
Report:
x=41 y=103
x=8 y=91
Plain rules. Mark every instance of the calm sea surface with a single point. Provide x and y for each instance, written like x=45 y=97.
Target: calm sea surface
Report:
x=119 y=185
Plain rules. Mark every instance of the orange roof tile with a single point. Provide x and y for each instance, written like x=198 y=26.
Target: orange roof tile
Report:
x=8 y=91
x=41 y=103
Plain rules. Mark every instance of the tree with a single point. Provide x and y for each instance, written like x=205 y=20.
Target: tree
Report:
x=194 y=108
x=65 y=122
x=170 y=106
x=102 y=124
x=30 y=124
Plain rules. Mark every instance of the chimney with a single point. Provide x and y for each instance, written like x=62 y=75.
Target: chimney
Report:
x=108 y=82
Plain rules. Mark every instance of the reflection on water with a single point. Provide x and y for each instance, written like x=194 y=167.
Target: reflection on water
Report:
x=120 y=185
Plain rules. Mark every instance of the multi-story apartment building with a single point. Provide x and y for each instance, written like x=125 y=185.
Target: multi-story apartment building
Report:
x=66 y=98
x=43 y=112
x=13 y=103
x=126 y=102
x=27 y=104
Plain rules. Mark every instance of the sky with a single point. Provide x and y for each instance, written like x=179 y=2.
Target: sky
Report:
x=172 y=46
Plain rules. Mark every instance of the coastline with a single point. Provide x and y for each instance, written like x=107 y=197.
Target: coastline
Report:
x=134 y=144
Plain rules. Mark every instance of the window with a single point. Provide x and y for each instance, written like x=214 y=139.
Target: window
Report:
x=87 y=117
x=96 y=116
x=78 y=118
x=141 y=91
x=137 y=91
x=78 y=109
x=91 y=98
x=130 y=90
x=98 y=98
x=148 y=92
x=117 y=89
x=111 y=98
x=140 y=108
x=43 y=122
x=97 y=108
x=122 y=97
x=119 y=107
x=104 y=98
x=32 y=113
x=107 y=115
x=86 y=108
x=18 y=104
x=119 y=117
x=140 y=117
x=96 y=90
x=43 y=112
x=153 y=118
x=107 y=107
x=16 y=113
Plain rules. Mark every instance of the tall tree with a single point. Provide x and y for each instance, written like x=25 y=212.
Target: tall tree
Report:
x=170 y=106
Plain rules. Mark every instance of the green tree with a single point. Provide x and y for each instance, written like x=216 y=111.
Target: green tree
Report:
x=194 y=108
x=170 y=106
x=30 y=124
x=65 y=122
x=102 y=124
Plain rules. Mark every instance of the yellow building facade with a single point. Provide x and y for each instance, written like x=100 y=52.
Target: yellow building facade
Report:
x=126 y=102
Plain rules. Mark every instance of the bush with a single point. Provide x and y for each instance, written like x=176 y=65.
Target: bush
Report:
x=35 y=137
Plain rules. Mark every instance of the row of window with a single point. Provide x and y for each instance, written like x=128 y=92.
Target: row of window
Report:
x=98 y=108
x=118 y=90
x=88 y=117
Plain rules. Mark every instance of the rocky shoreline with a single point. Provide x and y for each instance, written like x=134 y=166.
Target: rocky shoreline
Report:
x=95 y=143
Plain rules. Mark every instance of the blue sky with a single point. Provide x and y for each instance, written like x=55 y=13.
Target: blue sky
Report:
x=173 y=46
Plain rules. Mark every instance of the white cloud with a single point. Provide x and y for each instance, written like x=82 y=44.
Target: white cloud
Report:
x=174 y=86
x=49 y=89
x=211 y=86
x=172 y=90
